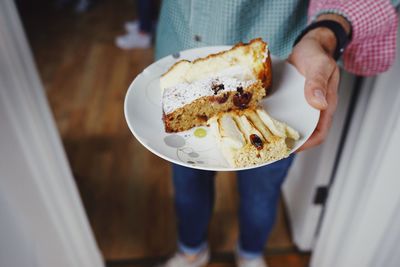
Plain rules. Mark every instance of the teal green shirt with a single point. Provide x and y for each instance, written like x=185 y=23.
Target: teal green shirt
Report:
x=185 y=24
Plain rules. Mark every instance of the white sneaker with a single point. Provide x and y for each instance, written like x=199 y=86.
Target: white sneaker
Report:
x=132 y=26
x=180 y=260
x=133 y=40
x=257 y=262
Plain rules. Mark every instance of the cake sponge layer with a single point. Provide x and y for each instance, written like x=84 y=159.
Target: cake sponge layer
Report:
x=200 y=110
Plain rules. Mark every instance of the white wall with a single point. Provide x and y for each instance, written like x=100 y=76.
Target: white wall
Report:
x=18 y=240
x=311 y=169
x=42 y=220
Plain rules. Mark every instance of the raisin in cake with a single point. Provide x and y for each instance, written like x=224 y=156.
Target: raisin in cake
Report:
x=193 y=92
x=251 y=137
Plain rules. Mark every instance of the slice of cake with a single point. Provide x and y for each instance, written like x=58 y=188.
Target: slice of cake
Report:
x=251 y=137
x=193 y=92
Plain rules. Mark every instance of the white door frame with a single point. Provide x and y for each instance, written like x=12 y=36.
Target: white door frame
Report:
x=361 y=226
x=36 y=180
x=312 y=169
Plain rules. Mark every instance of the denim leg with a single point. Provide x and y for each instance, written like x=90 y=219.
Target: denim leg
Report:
x=145 y=8
x=259 y=191
x=194 y=200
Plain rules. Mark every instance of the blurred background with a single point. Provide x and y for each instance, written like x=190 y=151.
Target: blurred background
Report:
x=128 y=201
x=79 y=190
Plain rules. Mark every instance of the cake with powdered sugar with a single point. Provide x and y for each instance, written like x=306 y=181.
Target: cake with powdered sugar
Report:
x=236 y=79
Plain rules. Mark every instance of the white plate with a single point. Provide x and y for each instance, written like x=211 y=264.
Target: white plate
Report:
x=143 y=113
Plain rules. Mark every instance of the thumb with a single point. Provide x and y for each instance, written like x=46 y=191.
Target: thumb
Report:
x=316 y=85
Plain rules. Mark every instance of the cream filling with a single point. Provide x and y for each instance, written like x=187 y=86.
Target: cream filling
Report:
x=181 y=94
x=233 y=131
x=275 y=128
x=247 y=128
x=230 y=133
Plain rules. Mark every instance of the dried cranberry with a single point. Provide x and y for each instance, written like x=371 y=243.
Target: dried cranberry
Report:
x=217 y=87
x=221 y=99
x=202 y=117
x=239 y=90
x=256 y=141
x=242 y=100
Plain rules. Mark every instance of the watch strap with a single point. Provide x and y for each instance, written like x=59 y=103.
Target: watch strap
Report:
x=342 y=38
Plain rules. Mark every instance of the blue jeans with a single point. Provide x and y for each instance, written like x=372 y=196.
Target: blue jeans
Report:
x=147 y=11
x=259 y=191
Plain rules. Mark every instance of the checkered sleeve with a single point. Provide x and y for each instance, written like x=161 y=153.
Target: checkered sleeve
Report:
x=374 y=28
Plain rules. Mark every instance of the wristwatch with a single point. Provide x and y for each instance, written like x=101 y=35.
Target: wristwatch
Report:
x=342 y=38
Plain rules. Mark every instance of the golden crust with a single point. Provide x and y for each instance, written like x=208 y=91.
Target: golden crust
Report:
x=265 y=77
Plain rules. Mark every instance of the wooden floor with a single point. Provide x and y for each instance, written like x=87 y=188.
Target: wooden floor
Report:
x=125 y=189
x=225 y=260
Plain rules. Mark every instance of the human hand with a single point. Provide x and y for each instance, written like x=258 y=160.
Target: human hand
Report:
x=312 y=57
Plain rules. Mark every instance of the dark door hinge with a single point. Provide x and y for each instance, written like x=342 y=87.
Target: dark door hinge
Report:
x=321 y=194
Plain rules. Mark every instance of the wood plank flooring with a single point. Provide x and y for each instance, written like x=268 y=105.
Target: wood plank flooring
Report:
x=125 y=189
x=225 y=260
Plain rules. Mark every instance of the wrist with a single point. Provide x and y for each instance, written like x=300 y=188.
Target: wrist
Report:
x=326 y=37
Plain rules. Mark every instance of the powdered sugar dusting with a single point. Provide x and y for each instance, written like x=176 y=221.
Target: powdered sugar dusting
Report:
x=179 y=95
x=185 y=93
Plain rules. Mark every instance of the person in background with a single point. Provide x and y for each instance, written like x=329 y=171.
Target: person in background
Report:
x=80 y=5
x=363 y=30
x=139 y=32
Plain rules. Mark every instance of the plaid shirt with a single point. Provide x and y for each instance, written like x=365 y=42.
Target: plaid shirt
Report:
x=185 y=24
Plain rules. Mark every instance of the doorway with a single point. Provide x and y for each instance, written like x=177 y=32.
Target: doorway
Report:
x=129 y=202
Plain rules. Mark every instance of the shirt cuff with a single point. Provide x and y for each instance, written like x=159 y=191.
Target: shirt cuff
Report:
x=374 y=32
